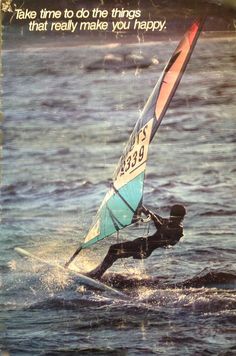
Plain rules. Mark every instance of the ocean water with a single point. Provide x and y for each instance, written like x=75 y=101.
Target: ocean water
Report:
x=64 y=129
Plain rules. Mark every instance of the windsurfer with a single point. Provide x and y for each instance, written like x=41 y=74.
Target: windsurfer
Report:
x=168 y=233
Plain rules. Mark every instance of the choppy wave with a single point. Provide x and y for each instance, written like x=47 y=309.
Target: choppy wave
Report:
x=205 y=279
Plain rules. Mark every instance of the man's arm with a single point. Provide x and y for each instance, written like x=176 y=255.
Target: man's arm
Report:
x=158 y=220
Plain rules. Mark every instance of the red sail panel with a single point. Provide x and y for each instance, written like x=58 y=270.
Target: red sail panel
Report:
x=175 y=69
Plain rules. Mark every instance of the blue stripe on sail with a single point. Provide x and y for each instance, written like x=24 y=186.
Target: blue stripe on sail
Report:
x=116 y=213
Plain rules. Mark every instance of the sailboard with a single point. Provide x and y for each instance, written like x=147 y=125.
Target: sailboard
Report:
x=80 y=278
x=120 y=205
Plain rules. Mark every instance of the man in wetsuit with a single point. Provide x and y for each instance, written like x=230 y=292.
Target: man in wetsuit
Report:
x=169 y=231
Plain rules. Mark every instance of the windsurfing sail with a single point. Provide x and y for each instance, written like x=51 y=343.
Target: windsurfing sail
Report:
x=120 y=206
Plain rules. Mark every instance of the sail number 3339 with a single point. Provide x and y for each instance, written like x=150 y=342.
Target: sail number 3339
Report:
x=135 y=153
x=133 y=160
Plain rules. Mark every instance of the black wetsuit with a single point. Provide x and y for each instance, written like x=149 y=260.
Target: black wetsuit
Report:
x=169 y=232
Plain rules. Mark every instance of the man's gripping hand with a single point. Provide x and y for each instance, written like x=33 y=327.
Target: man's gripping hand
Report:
x=147 y=212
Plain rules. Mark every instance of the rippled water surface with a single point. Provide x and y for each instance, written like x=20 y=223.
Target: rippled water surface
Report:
x=64 y=130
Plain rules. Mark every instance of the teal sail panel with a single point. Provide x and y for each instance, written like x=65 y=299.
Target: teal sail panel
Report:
x=121 y=202
x=117 y=210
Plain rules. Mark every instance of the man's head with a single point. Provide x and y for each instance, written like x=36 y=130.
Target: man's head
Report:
x=177 y=211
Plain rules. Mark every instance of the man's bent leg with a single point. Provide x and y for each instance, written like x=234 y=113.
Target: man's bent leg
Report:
x=121 y=250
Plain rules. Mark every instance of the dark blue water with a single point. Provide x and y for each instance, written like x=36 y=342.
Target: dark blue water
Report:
x=64 y=130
